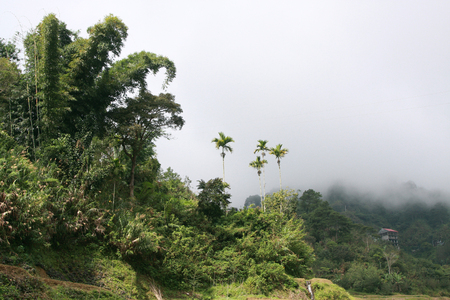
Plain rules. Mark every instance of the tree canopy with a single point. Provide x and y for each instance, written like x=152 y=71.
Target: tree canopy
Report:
x=142 y=120
x=75 y=80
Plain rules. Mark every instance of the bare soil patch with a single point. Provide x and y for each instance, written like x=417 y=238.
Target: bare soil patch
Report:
x=21 y=273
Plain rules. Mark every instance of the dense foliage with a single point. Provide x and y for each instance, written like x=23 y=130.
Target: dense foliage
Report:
x=352 y=254
x=79 y=168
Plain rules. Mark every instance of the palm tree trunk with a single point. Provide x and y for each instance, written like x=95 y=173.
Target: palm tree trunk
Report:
x=223 y=165
x=279 y=169
x=264 y=175
x=264 y=182
x=260 y=192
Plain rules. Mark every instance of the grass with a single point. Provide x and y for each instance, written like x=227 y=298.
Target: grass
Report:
x=76 y=273
x=92 y=273
x=398 y=297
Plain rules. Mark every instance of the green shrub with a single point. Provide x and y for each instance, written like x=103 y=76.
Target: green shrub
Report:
x=325 y=291
x=362 y=278
x=266 y=277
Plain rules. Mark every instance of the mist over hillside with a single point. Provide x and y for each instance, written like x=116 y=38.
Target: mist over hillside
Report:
x=390 y=196
x=343 y=196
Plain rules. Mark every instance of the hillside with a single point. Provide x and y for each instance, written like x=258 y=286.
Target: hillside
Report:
x=85 y=201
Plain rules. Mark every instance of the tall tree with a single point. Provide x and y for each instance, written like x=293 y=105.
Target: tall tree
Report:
x=142 y=120
x=262 y=147
x=279 y=152
x=258 y=164
x=47 y=62
x=75 y=82
x=76 y=79
x=222 y=142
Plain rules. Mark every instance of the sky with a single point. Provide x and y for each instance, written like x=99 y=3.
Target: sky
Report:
x=358 y=91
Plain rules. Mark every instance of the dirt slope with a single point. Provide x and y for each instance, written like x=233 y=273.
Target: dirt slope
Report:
x=19 y=273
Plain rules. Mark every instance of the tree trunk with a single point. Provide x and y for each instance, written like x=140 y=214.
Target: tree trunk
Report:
x=133 y=156
x=223 y=164
x=260 y=192
x=279 y=169
x=264 y=175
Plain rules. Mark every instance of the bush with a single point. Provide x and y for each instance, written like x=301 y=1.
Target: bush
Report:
x=325 y=291
x=362 y=278
x=266 y=277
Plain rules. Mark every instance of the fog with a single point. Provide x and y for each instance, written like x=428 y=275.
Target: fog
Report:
x=392 y=196
x=356 y=90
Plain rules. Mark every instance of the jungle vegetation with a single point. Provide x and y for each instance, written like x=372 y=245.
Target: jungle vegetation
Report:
x=78 y=169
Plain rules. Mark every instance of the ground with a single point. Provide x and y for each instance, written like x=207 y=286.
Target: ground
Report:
x=18 y=282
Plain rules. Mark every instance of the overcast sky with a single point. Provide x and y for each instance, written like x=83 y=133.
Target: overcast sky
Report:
x=358 y=91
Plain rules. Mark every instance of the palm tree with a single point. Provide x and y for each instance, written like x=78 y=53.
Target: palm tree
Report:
x=262 y=146
x=257 y=164
x=222 y=142
x=279 y=153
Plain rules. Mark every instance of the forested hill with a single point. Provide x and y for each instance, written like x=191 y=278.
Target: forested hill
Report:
x=422 y=220
x=78 y=170
x=344 y=232
x=343 y=229
x=422 y=217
